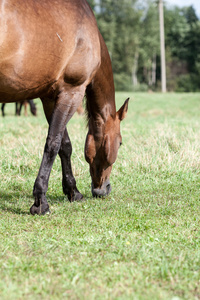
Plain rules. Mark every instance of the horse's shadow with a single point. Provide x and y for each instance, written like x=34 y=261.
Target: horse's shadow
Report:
x=8 y=202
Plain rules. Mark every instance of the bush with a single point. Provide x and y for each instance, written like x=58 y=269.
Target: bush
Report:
x=187 y=83
x=123 y=82
x=141 y=87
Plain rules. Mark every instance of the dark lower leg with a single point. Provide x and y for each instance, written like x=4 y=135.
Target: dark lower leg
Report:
x=68 y=181
x=52 y=146
x=57 y=141
x=2 y=109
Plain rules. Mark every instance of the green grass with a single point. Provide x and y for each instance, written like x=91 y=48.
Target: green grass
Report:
x=141 y=242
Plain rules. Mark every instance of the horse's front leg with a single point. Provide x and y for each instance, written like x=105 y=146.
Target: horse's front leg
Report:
x=65 y=107
x=68 y=181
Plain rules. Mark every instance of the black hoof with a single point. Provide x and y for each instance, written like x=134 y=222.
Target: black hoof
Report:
x=76 y=196
x=40 y=210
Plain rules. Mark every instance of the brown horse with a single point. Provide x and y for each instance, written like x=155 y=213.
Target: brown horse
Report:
x=53 y=50
x=25 y=103
x=18 y=108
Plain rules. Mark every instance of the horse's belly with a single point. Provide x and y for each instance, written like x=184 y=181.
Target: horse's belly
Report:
x=17 y=84
x=20 y=75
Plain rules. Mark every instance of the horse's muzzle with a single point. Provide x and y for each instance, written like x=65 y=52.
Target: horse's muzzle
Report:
x=103 y=191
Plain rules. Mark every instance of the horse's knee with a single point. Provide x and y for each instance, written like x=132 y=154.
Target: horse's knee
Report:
x=52 y=146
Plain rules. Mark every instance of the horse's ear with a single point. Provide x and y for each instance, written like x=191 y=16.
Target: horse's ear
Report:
x=123 y=110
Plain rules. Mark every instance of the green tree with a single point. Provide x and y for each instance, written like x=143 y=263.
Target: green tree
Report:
x=149 y=45
x=118 y=21
x=183 y=47
x=130 y=29
x=92 y=3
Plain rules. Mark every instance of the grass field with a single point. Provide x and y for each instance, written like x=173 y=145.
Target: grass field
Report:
x=141 y=242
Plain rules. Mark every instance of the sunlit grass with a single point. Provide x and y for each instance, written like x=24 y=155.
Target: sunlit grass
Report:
x=141 y=242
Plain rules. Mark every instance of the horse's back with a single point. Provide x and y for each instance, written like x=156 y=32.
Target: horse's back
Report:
x=42 y=42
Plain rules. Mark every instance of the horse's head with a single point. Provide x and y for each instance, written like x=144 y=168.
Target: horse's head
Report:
x=101 y=148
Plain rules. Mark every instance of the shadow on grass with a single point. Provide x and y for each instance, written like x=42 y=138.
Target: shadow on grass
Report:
x=17 y=202
x=13 y=201
x=54 y=199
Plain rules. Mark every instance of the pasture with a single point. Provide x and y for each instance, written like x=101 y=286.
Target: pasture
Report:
x=140 y=242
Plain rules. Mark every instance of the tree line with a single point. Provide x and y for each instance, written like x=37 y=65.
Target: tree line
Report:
x=131 y=31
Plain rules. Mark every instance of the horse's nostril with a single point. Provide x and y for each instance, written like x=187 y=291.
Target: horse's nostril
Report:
x=101 y=192
x=108 y=189
x=97 y=193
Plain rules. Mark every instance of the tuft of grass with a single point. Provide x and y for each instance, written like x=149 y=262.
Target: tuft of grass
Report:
x=141 y=242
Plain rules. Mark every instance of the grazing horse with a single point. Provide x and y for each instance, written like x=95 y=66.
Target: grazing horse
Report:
x=33 y=108
x=52 y=50
x=18 y=108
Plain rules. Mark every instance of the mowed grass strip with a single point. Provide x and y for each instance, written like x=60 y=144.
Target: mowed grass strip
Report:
x=141 y=242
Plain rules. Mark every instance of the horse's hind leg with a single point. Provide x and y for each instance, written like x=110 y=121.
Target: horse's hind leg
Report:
x=32 y=107
x=18 y=108
x=62 y=112
x=2 y=109
x=25 y=108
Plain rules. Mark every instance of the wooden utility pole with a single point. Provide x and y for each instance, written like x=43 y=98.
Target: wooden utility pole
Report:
x=162 y=47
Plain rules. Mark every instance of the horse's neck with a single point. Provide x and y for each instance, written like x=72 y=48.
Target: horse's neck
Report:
x=101 y=92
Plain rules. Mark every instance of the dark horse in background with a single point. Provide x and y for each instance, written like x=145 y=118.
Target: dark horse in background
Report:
x=52 y=49
x=18 y=108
